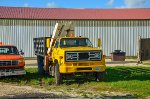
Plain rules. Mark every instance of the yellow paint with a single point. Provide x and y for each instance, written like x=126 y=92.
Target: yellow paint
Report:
x=48 y=42
x=71 y=67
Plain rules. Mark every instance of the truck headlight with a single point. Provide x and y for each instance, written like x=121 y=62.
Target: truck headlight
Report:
x=21 y=61
x=68 y=56
x=71 y=56
x=97 y=55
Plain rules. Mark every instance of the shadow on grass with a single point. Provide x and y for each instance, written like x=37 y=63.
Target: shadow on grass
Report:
x=121 y=73
x=127 y=73
x=31 y=76
x=112 y=74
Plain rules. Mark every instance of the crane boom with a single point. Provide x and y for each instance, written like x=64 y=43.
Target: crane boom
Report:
x=61 y=30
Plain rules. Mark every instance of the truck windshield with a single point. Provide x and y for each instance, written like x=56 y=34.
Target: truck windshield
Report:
x=8 y=50
x=75 y=42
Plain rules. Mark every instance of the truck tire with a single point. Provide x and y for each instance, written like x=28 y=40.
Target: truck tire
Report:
x=99 y=76
x=58 y=75
x=40 y=63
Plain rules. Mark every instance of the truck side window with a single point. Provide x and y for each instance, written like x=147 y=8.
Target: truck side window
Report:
x=56 y=44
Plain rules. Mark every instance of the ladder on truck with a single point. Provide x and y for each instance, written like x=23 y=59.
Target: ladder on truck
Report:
x=61 y=30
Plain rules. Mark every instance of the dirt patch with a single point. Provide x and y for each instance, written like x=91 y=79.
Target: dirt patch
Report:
x=14 y=91
x=9 y=91
x=127 y=62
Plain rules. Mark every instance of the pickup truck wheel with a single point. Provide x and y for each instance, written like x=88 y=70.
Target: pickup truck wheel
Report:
x=58 y=75
x=99 y=76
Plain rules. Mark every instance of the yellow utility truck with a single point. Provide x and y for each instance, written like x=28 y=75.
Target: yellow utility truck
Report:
x=63 y=55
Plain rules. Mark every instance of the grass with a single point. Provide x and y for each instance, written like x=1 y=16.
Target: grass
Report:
x=31 y=78
x=134 y=80
x=131 y=57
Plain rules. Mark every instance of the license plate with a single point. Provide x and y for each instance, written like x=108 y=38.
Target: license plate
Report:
x=13 y=73
x=97 y=68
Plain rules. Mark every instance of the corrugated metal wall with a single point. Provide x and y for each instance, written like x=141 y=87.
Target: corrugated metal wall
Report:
x=115 y=34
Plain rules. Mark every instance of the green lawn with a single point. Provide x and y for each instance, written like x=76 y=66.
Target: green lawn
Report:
x=135 y=80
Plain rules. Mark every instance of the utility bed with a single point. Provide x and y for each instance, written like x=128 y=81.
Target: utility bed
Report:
x=40 y=48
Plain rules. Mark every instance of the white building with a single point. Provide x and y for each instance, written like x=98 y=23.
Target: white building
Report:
x=118 y=28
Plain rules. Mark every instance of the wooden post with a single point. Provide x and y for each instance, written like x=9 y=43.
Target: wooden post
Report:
x=139 y=59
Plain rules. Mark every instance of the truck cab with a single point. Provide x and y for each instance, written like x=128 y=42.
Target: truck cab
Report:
x=72 y=55
x=11 y=62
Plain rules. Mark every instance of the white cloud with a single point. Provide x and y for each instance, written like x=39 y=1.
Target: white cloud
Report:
x=26 y=5
x=52 y=5
x=110 y=2
x=134 y=4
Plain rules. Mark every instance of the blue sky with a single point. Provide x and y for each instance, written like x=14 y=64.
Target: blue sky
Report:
x=77 y=3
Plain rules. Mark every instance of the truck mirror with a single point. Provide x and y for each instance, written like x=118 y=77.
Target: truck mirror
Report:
x=99 y=42
x=21 y=52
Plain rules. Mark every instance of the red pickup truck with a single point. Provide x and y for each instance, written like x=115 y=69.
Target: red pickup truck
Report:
x=11 y=62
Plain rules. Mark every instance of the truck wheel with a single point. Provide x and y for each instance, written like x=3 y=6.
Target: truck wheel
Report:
x=58 y=75
x=99 y=76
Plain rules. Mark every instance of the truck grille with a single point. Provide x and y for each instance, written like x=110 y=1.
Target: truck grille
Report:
x=8 y=63
x=83 y=56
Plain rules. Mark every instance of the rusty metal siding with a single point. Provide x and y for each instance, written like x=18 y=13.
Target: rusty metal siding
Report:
x=115 y=34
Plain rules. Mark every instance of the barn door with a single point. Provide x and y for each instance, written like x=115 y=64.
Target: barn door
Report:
x=143 y=49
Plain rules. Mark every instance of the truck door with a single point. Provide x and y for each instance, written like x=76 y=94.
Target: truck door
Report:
x=55 y=50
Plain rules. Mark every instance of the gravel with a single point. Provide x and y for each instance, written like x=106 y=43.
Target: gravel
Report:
x=12 y=91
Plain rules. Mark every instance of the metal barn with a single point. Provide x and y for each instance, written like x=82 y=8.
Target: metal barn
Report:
x=118 y=28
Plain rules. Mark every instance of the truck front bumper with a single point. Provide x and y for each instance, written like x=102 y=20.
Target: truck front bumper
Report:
x=12 y=72
x=82 y=68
